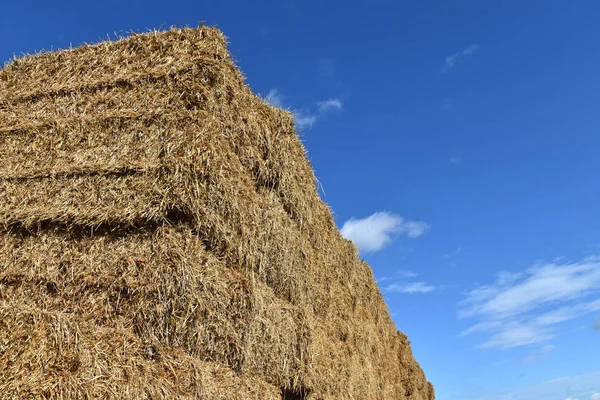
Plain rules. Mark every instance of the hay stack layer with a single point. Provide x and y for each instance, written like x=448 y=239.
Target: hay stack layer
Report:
x=161 y=236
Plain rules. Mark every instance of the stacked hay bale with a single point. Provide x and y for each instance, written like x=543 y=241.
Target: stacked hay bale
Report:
x=161 y=236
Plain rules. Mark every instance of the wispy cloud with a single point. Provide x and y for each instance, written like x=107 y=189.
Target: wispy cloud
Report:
x=539 y=354
x=372 y=233
x=523 y=308
x=544 y=283
x=399 y=283
x=455 y=160
x=305 y=120
x=275 y=98
x=459 y=57
x=405 y=274
x=567 y=313
x=329 y=105
x=454 y=253
x=307 y=117
x=581 y=387
x=409 y=288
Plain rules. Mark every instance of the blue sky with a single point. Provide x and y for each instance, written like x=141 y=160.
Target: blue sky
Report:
x=457 y=144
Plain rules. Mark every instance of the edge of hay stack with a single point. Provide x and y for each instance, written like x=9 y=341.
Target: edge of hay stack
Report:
x=161 y=236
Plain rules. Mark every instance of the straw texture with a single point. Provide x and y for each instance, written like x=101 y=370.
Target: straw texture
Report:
x=161 y=236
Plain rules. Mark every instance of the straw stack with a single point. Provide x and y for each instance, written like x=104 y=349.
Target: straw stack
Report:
x=161 y=236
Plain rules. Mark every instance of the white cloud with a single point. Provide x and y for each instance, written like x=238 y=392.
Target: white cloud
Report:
x=546 y=283
x=414 y=229
x=382 y=279
x=584 y=386
x=275 y=98
x=523 y=308
x=307 y=117
x=372 y=233
x=409 y=288
x=569 y=312
x=400 y=286
x=329 y=105
x=458 y=58
x=595 y=396
x=516 y=334
x=405 y=274
x=305 y=120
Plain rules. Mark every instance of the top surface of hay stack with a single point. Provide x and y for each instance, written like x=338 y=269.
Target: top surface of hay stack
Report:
x=161 y=236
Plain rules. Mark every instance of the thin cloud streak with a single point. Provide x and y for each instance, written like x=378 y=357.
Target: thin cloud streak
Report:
x=305 y=121
x=409 y=288
x=405 y=274
x=458 y=58
x=538 y=355
x=544 y=284
x=329 y=105
x=324 y=107
x=582 y=387
x=524 y=308
x=275 y=98
x=454 y=253
x=306 y=118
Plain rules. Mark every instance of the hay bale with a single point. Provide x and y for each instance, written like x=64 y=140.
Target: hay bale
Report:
x=161 y=236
